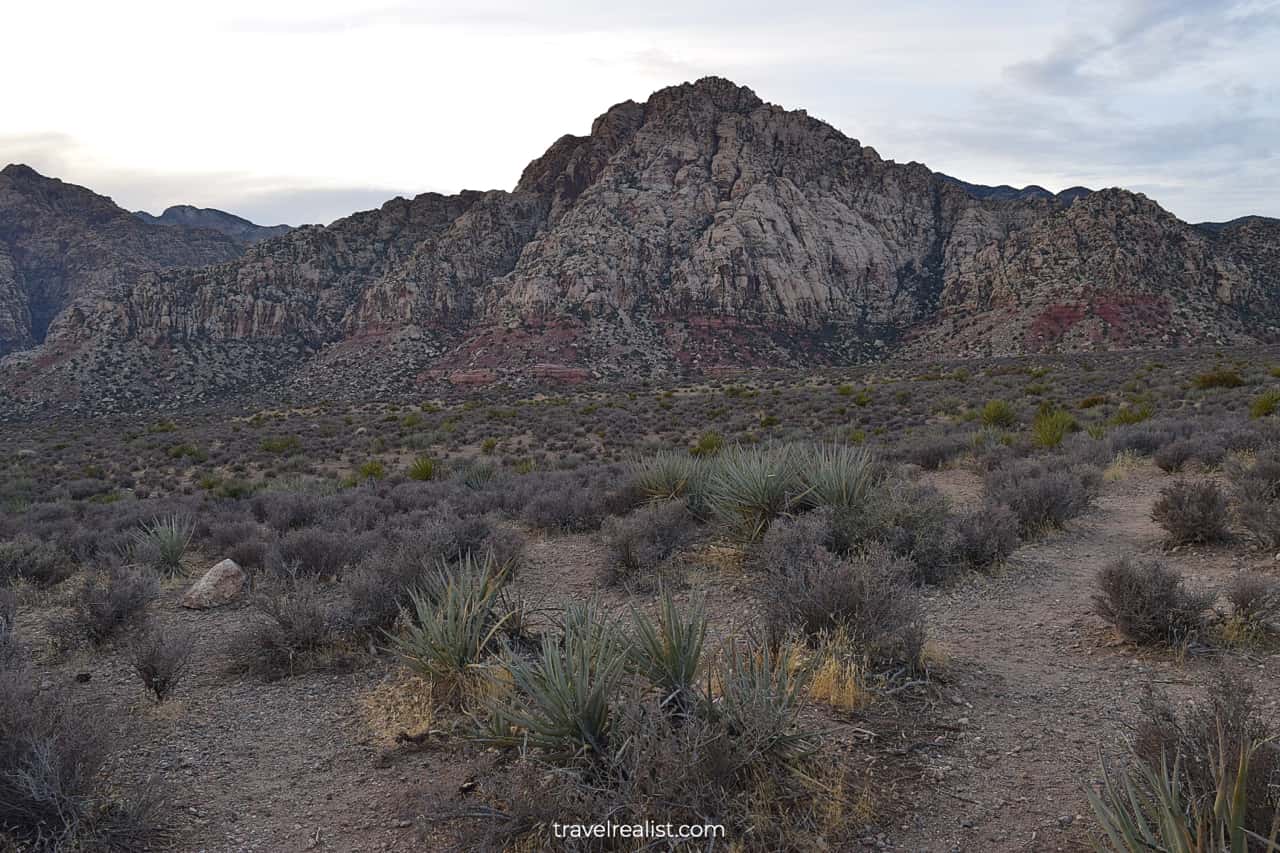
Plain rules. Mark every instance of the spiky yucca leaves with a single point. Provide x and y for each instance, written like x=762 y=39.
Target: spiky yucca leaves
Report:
x=423 y=468
x=749 y=486
x=564 y=701
x=453 y=625
x=162 y=543
x=669 y=653
x=839 y=476
x=761 y=690
x=1146 y=808
x=666 y=475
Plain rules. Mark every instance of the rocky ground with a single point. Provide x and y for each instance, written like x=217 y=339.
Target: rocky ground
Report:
x=1030 y=690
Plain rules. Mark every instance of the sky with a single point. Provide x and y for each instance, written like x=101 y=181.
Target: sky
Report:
x=296 y=112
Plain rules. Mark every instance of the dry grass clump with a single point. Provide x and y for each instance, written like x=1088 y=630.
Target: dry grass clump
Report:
x=160 y=658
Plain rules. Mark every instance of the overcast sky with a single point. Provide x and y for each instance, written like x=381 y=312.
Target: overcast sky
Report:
x=297 y=112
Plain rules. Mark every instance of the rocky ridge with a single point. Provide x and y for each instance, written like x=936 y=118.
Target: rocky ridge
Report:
x=702 y=229
x=237 y=228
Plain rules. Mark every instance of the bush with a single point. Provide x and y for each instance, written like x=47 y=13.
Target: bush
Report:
x=665 y=475
x=423 y=469
x=106 y=604
x=750 y=486
x=1192 y=512
x=669 y=653
x=317 y=551
x=986 y=536
x=160 y=658
x=161 y=544
x=1041 y=493
x=1174 y=456
x=293 y=624
x=1265 y=404
x=35 y=561
x=1218 y=378
x=998 y=413
x=1148 y=604
x=838 y=476
x=452 y=626
x=1254 y=598
x=639 y=542
x=54 y=790
x=1051 y=426
x=866 y=597
x=931 y=454
x=567 y=695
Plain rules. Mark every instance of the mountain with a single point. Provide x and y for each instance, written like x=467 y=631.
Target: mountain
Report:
x=701 y=229
x=63 y=247
x=237 y=228
x=1004 y=192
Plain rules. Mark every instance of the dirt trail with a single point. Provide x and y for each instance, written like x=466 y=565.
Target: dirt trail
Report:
x=1039 y=688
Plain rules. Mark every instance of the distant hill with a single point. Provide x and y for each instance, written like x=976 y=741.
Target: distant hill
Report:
x=1004 y=192
x=235 y=227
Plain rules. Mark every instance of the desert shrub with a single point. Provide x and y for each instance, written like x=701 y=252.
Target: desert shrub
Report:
x=1043 y=495
x=371 y=470
x=1256 y=488
x=1265 y=404
x=160 y=658
x=283 y=511
x=422 y=469
x=913 y=519
x=709 y=444
x=453 y=626
x=986 y=536
x=282 y=445
x=567 y=695
x=293 y=625
x=1254 y=598
x=1200 y=749
x=668 y=653
x=161 y=543
x=106 y=604
x=55 y=792
x=665 y=475
x=318 y=551
x=998 y=413
x=866 y=596
x=932 y=453
x=1174 y=456
x=761 y=693
x=1218 y=378
x=1132 y=413
x=642 y=540
x=1051 y=426
x=836 y=476
x=750 y=486
x=1192 y=512
x=1148 y=604
x=35 y=561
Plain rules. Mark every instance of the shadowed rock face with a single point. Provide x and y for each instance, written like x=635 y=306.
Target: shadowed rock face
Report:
x=62 y=245
x=702 y=228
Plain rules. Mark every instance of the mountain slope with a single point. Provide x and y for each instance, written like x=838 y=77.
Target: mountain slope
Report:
x=702 y=228
x=63 y=245
x=237 y=228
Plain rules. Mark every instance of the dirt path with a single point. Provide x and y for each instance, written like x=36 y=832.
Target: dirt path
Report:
x=1039 y=688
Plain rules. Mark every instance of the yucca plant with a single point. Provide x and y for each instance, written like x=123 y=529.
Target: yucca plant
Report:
x=565 y=697
x=749 y=487
x=1146 y=808
x=761 y=691
x=423 y=468
x=838 y=476
x=161 y=543
x=665 y=475
x=453 y=625
x=669 y=653
x=1051 y=426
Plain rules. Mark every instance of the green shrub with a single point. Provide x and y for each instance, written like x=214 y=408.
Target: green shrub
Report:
x=998 y=413
x=452 y=628
x=1132 y=414
x=281 y=445
x=162 y=543
x=371 y=470
x=708 y=444
x=838 y=476
x=669 y=653
x=1265 y=404
x=750 y=486
x=1051 y=426
x=665 y=475
x=422 y=468
x=1218 y=378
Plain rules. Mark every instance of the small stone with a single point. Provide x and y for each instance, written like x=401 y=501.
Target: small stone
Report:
x=1066 y=820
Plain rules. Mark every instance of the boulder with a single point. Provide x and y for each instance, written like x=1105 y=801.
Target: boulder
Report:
x=220 y=585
